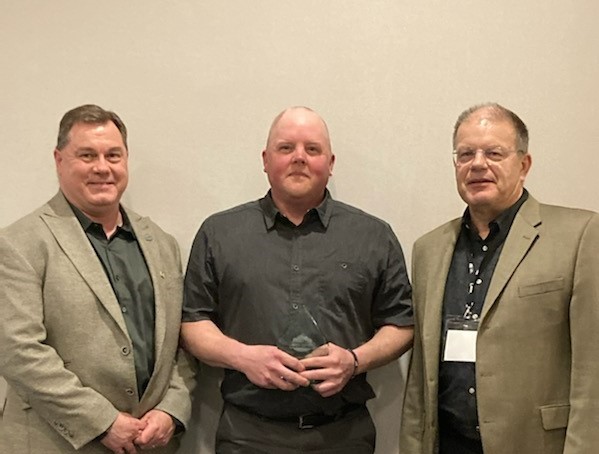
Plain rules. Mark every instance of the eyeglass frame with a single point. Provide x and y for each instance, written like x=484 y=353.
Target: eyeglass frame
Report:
x=487 y=155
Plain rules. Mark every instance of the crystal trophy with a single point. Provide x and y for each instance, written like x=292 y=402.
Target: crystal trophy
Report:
x=302 y=337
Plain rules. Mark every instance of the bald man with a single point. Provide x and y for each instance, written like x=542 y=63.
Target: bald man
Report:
x=296 y=295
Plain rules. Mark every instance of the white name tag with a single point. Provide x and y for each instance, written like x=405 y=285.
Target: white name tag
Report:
x=460 y=345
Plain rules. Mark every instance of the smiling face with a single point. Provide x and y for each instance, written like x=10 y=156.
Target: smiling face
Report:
x=92 y=168
x=490 y=187
x=298 y=159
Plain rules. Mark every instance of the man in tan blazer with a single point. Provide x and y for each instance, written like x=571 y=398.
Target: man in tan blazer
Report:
x=90 y=307
x=506 y=303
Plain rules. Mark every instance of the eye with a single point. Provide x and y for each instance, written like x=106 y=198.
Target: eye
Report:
x=465 y=155
x=494 y=154
x=87 y=156
x=312 y=150
x=114 y=157
x=285 y=148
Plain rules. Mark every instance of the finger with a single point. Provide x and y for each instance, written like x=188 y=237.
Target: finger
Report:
x=281 y=382
x=323 y=350
x=129 y=448
x=146 y=436
x=291 y=362
x=316 y=362
x=317 y=375
x=326 y=388
x=294 y=378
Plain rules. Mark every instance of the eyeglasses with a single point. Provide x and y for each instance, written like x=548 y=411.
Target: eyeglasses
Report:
x=464 y=156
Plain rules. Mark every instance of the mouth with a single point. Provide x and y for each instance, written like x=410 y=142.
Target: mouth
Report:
x=100 y=184
x=298 y=175
x=476 y=181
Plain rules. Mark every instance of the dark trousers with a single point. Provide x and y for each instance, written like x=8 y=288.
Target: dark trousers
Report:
x=240 y=432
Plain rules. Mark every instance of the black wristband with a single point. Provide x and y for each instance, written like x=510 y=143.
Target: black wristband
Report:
x=353 y=353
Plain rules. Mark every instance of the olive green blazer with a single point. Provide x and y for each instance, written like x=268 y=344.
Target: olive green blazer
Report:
x=64 y=347
x=537 y=351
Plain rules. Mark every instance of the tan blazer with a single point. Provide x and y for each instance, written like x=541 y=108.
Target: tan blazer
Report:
x=64 y=347
x=537 y=351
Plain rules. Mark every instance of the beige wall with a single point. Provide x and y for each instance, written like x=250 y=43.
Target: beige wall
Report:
x=198 y=83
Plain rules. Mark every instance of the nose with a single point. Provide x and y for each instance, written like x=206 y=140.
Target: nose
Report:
x=100 y=164
x=479 y=159
x=299 y=154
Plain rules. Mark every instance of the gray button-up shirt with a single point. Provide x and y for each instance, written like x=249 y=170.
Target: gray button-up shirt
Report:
x=250 y=269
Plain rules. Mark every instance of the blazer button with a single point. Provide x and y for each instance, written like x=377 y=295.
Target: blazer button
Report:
x=129 y=392
x=125 y=350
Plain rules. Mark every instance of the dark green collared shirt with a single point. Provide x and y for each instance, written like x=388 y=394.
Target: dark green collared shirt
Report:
x=128 y=274
x=251 y=269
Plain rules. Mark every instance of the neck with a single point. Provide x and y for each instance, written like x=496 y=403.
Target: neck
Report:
x=480 y=219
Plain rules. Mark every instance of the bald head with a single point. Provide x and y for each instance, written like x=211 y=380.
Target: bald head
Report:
x=298 y=112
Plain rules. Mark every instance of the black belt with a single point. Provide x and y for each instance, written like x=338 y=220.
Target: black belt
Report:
x=312 y=420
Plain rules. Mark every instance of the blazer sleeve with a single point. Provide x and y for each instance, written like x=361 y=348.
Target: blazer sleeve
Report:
x=582 y=435
x=412 y=419
x=177 y=399
x=32 y=368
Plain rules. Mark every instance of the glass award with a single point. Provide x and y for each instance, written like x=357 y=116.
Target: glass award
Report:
x=302 y=336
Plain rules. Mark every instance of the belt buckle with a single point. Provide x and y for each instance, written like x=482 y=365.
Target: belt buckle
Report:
x=305 y=424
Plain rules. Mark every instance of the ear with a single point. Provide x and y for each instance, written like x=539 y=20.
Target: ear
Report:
x=264 y=160
x=57 y=158
x=526 y=164
x=331 y=164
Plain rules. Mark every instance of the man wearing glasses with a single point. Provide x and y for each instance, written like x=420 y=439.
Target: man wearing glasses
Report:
x=505 y=303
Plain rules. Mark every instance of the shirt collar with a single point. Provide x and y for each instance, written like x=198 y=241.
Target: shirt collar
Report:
x=87 y=223
x=501 y=223
x=271 y=212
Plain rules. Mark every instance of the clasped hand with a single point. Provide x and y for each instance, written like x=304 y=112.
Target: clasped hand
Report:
x=328 y=368
x=127 y=433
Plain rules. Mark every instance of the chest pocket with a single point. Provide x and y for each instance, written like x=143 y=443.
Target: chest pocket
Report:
x=538 y=288
x=342 y=281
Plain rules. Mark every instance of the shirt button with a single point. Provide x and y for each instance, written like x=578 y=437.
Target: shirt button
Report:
x=471 y=390
x=344 y=266
x=129 y=391
x=295 y=268
x=479 y=281
x=124 y=310
x=295 y=306
x=485 y=248
x=125 y=351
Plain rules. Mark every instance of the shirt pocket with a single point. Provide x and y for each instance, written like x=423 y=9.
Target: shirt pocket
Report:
x=342 y=281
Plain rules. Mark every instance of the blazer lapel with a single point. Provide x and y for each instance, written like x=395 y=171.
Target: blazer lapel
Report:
x=151 y=251
x=520 y=239
x=67 y=230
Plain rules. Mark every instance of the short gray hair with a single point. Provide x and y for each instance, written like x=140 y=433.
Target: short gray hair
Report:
x=497 y=111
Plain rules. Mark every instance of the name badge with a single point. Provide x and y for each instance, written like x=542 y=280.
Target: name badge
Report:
x=460 y=340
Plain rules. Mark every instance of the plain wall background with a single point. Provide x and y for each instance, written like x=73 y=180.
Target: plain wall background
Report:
x=198 y=83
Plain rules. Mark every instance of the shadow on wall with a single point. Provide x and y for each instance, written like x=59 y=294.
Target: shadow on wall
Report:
x=207 y=405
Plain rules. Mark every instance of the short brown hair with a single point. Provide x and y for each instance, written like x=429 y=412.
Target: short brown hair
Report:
x=90 y=114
